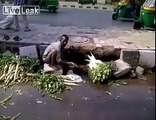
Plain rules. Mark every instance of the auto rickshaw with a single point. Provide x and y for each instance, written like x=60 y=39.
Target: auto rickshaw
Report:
x=121 y=11
x=147 y=15
x=51 y=5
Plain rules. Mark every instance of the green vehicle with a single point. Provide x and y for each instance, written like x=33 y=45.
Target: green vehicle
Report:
x=147 y=15
x=120 y=13
x=51 y=5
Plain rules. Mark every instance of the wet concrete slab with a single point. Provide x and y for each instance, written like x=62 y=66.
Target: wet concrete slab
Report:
x=134 y=101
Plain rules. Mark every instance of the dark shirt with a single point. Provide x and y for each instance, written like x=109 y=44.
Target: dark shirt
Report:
x=132 y=3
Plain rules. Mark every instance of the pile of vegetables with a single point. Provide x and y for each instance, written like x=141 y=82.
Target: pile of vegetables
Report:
x=98 y=71
x=15 y=70
x=50 y=84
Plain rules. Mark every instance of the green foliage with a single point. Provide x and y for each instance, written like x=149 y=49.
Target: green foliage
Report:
x=49 y=83
x=100 y=73
x=15 y=69
x=3 y=102
x=29 y=65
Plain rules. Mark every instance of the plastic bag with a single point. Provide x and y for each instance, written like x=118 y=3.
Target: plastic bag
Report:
x=74 y=77
x=7 y=22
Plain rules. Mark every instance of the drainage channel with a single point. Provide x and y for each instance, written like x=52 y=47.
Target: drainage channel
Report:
x=76 y=51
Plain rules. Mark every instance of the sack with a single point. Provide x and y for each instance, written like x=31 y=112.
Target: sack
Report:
x=74 y=77
x=7 y=22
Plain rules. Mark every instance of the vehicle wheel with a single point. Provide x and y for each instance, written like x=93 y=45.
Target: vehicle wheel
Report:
x=52 y=10
x=93 y=3
x=137 y=25
x=114 y=16
x=115 y=9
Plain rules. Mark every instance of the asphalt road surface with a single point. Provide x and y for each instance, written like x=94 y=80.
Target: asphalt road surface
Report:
x=76 y=17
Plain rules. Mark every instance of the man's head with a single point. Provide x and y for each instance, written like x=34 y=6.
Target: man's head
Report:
x=64 y=40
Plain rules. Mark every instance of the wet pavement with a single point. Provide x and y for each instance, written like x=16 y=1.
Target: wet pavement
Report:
x=135 y=101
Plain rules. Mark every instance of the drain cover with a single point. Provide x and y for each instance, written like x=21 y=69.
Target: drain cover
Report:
x=80 y=39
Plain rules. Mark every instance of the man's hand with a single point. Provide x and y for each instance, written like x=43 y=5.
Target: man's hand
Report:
x=72 y=64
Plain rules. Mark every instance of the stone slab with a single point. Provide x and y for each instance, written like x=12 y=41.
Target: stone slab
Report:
x=29 y=51
x=7 y=53
x=131 y=56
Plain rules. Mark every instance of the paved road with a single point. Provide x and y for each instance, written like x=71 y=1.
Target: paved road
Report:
x=77 y=17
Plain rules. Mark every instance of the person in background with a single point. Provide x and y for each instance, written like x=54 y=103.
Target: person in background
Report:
x=139 y=3
x=16 y=21
x=52 y=55
x=131 y=7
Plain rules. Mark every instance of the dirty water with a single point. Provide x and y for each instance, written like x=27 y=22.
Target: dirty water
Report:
x=134 y=101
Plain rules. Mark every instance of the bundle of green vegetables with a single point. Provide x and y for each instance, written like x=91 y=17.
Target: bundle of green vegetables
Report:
x=50 y=84
x=98 y=71
x=14 y=69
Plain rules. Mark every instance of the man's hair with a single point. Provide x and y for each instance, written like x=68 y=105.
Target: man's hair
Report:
x=64 y=37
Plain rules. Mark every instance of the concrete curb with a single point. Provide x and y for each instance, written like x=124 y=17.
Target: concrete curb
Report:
x=84 y=7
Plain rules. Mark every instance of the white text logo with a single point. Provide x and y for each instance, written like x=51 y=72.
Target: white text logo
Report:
x=21 y=10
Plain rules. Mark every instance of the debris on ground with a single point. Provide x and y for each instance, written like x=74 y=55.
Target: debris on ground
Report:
x=109 y=93
x=117 y=83
x=141 y=77
x=74 y=77
x=3 y=102
x=123 y=68
x=139 y=70
x=133 y=74
x=72 y=104
x=2 y=117
x=39 y=101
x=18 y=92
x=85 y=98
x=11 y=104
x=117 y=97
